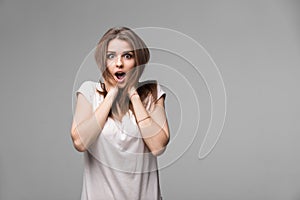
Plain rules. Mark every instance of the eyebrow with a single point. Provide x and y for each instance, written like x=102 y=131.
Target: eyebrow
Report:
x=131 y=51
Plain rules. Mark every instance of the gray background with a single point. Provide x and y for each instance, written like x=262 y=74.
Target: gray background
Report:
x=255 y=44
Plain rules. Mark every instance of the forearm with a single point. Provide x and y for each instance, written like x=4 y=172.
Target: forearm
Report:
x=88 y=130
x=101 y=113
x=85 y=133
x=151 y=127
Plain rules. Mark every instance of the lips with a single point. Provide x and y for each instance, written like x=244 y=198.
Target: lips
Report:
x=120 y=76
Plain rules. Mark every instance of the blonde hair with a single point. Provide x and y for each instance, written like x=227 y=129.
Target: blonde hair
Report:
x=141 y=56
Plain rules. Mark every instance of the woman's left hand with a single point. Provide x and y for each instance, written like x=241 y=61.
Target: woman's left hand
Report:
x=132 y=91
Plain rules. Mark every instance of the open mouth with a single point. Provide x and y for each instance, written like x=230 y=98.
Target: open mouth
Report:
x=120 y=76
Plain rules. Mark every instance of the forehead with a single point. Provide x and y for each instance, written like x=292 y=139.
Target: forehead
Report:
x=117 y=45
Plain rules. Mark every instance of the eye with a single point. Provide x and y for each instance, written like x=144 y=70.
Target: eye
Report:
x=128 y=56
x=110 y=56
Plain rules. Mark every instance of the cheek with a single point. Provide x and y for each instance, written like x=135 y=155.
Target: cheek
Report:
x=109 y=69
x=130 y=64
x=109 y=63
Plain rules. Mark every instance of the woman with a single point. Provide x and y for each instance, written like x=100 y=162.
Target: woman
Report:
x=120 y=124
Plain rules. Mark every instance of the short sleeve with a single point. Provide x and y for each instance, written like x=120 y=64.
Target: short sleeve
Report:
x=87 y=89
x=160 y=92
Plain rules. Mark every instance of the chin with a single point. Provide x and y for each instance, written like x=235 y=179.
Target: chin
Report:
x=122 y=85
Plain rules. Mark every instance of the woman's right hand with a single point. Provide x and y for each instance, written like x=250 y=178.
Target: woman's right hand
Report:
x=113 y=91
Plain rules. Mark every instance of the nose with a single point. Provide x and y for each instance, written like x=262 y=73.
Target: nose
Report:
x=119 y=62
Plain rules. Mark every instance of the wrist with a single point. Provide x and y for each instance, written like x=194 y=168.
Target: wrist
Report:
x=133 y=95
x=112 y=92
x=131 y=92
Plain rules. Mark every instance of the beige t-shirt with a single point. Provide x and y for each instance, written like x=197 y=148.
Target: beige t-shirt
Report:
x=118 y=165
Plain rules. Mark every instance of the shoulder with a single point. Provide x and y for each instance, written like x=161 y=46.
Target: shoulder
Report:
x=87 y=89
x=89 y=86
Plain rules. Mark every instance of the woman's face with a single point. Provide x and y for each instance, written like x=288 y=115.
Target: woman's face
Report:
x=120 y=60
